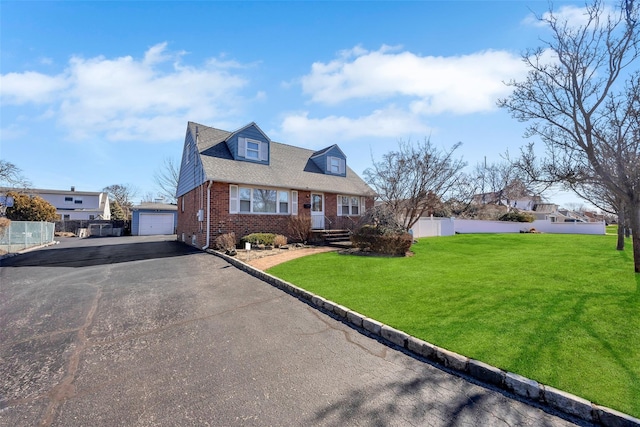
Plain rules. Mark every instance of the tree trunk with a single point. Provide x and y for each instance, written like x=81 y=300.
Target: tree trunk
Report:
x=621 y=222
x=635 y=234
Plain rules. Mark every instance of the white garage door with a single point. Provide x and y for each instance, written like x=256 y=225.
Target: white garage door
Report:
x=155 y=223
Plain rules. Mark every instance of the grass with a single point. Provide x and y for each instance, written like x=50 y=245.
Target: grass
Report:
x=561 y=309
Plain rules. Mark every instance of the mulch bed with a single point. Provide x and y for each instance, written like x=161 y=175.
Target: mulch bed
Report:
x=245 y=256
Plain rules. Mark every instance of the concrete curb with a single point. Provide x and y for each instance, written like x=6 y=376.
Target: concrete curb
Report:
x=29 y=249
x=525 y=388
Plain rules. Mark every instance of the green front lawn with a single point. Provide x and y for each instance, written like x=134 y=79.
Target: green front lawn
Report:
x=561 y=309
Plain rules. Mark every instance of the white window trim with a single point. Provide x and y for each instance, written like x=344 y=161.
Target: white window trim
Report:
x=250 y=149
x=361 y=205
x=341 y=165
x=234 y=200
x=263 y=149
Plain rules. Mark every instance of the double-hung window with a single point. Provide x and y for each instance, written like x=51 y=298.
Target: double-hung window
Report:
x=350 y=205
x=258 y=200
x=336 y=165
x=253 y=150
x=283 y=201
x=245 y=200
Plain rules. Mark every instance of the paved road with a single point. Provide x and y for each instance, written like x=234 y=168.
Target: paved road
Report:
x=144 y=331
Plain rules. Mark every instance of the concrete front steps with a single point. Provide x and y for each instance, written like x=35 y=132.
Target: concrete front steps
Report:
x=336 y=238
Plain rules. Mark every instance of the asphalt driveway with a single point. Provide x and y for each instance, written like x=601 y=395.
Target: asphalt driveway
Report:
x=145 y=331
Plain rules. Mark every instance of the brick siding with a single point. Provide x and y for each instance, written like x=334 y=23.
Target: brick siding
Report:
x=190 y=230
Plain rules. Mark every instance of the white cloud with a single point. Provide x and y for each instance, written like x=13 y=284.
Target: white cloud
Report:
x=391 y=122
x=129 y=99
x=457 y=84
x=30 y=87
x=12 y=132
x=571 y=14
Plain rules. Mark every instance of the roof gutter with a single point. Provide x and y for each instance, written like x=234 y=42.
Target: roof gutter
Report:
x=206 y=246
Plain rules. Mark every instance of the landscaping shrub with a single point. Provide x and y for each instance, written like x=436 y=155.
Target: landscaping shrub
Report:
x=382 y=219
x=517 y=216
x=225 y=242
x=279 y=240
x=300 y=227
x=374 y=239
x=266 y=239
x=378 y=231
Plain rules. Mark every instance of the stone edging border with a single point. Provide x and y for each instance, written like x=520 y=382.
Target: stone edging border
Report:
x=523 y=387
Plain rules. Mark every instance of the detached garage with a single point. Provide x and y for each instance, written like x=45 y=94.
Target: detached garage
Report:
x=154 y=218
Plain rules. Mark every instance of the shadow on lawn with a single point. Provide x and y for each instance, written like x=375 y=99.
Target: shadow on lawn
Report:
x=570 y=320
x=428 y=398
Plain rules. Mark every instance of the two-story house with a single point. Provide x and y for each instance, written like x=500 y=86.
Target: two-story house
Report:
x=75 y=205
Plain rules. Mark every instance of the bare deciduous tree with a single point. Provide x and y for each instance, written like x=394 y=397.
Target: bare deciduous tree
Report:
x=11 y=175
x=598 y=195
x=501 y=183
x=166 y=178
x=569 y=102
x=123 y=194
x=409 y=180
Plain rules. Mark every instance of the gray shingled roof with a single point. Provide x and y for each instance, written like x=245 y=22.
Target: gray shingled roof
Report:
x=290 y=167
x=155 y=206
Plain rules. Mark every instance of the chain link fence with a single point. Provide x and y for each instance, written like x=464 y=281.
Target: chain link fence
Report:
x=20 y=235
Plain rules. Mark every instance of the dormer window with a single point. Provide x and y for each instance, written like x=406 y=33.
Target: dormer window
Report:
x=335 y=165
x=253 y=150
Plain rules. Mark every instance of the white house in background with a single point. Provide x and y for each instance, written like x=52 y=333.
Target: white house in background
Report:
x=75 y=205
x=546 y=211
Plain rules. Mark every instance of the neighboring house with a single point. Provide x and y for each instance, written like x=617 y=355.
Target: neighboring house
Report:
x=525 y=203
x=553 y=213
x=153 y=218
x=594 y=217
x=243 y=182
x=74 y=205
x=572 y=216
x=546 y=211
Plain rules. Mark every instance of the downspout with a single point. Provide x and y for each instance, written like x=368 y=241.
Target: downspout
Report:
x=206 y=246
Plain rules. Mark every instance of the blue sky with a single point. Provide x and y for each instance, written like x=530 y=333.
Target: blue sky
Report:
x=99 y=93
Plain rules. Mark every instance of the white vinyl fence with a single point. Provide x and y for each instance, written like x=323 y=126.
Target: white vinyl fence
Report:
x=432 y=227
x=543 y=226
x=21 y=235
x=429 y=227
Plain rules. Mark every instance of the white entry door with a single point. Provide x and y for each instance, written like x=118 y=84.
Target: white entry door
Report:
x=317 y=211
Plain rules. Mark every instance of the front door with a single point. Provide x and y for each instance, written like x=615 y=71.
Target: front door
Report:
x=317 y=211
